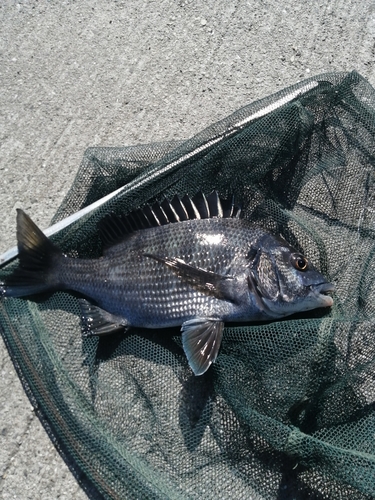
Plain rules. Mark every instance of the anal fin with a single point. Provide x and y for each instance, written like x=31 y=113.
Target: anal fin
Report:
x=97 y=321
x=201 y=339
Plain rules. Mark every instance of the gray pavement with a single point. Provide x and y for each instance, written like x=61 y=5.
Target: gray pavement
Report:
x=113 y=72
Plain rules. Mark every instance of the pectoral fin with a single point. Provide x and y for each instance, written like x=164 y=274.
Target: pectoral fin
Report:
x=96 y=321
x=214 y=284
x=201 y=339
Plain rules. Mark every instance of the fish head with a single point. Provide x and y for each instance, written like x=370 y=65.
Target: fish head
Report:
x=284 y=281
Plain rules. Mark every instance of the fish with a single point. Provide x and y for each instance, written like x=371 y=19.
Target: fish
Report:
x=192 y=262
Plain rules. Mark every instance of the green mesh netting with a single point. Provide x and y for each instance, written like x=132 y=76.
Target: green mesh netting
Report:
x=288 y=410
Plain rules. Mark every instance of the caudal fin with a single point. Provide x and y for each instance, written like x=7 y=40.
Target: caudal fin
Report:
x=37 y=260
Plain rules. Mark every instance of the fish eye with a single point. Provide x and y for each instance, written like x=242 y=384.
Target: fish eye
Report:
x=299 y=262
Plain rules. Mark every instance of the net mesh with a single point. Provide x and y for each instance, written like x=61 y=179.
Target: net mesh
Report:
x=287 y=411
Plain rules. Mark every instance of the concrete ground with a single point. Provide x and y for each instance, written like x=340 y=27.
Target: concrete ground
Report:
x=115 y=72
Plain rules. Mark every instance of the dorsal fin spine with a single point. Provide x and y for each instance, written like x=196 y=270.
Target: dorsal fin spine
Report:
x=163 y=216
x=206 y=204
x=158 y=223
x=214 y=204
x=179 y=208
x=197 y=215
x=175 y=214
x=196 y=212
x=183 y=208
x=232 y=207
x=219 y=208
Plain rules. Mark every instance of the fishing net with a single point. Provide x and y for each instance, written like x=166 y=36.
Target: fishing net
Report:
x=287 y=411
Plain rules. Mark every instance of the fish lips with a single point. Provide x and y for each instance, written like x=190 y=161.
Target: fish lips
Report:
x=321 y=291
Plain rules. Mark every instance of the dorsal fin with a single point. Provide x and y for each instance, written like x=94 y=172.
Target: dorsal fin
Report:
x=113 y=228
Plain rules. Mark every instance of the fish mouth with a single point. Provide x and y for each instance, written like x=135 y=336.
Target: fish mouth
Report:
x=322 y=290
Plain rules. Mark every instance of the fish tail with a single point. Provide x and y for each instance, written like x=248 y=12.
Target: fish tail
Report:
x=38 y=258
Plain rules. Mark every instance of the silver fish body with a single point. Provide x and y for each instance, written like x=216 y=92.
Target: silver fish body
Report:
x=196 y=273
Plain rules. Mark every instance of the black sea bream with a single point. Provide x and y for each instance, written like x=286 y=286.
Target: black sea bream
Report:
x=192 y=263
